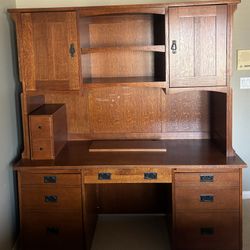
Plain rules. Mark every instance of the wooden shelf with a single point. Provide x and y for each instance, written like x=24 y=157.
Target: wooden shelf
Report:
x=146 y=48
x=124 y=82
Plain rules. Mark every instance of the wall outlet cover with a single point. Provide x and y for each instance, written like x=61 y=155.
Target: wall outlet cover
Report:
x=245 y=83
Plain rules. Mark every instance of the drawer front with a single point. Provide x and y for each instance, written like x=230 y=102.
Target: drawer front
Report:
x=50 y=179
x=207 y=231
x=207 y=179
x=51 y=198
x=142 y=175
x=41 y=127
x=206 y=198
x=58 y=230
x=42 y=149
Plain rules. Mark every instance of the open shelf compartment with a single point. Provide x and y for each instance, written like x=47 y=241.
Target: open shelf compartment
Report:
x=123 y=50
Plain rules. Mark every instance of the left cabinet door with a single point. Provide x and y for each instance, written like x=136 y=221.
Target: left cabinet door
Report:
x=50 y=51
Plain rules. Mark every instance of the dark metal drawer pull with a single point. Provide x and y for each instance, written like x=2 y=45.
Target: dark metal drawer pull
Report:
x=207 y=231
x=72 y=50
x=49 y=179
x=206 y=178
x=52 y=230
x=150 y=176
x=104 y=176
x=50 y=199
x=174 y=47
x=206 y=198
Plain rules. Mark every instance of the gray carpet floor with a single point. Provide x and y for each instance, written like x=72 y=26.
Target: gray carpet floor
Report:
x=132 y=232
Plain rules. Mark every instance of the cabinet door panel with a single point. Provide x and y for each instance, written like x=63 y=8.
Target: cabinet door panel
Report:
x=46 y=48
x=200 y=34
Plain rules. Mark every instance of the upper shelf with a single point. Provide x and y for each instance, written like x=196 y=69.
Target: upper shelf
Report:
x=147 y=48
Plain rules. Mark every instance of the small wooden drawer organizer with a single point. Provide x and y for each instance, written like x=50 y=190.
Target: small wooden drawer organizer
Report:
x=48 y=131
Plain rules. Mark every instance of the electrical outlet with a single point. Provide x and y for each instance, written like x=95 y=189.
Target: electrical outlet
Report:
x=245 y=83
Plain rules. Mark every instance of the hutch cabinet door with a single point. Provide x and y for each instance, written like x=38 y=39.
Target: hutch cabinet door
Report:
x=198 y=40
x=50 y=51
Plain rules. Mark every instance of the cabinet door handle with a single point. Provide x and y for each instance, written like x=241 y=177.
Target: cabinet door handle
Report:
x=72 y=50
x=52 y=230
x=207 y=231
x=104 y=176
x=50 y=199
x=49 y=179
x=150 y=176
x=174 y=47
x=207 y=198
x=206 y=178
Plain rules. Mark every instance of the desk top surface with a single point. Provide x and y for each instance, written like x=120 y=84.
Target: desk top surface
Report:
x=179 y=153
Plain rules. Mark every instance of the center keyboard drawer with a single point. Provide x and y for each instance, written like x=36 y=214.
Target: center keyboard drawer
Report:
x=139 y=175
x=51 y=198
x=206 y=198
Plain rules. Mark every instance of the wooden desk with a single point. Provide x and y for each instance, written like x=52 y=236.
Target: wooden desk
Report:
x=158 y=73
x=205 y=184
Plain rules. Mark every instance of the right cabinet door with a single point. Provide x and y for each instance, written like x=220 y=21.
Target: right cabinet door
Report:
x=198 y=41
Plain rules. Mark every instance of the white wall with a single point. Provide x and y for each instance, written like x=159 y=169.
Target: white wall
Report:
x=241 y=123
x=8 y=131
x=241 y=114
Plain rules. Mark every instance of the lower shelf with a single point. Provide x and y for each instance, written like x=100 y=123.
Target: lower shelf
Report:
x=124 y=81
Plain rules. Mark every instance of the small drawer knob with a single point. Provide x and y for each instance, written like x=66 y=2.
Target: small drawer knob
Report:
x=41 y=149
x=207 y=198
x=104 y=176
x=52 y=230
x=49 y=179
x=40 y=127
x=50 y=199
x=150 y=176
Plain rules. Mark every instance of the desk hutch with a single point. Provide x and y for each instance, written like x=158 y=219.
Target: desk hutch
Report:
x=128 y=109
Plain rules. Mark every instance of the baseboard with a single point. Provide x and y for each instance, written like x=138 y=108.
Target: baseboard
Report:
x=246 y=195
x=16 y=246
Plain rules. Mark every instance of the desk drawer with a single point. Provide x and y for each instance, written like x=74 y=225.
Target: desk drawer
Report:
x=207 y=179
x=206 y=198
x=54 y=230
x=51 y=198
x=207 y=231
x=50 y=179
x=140 y=175
x=41 y=127
x=42 y=149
